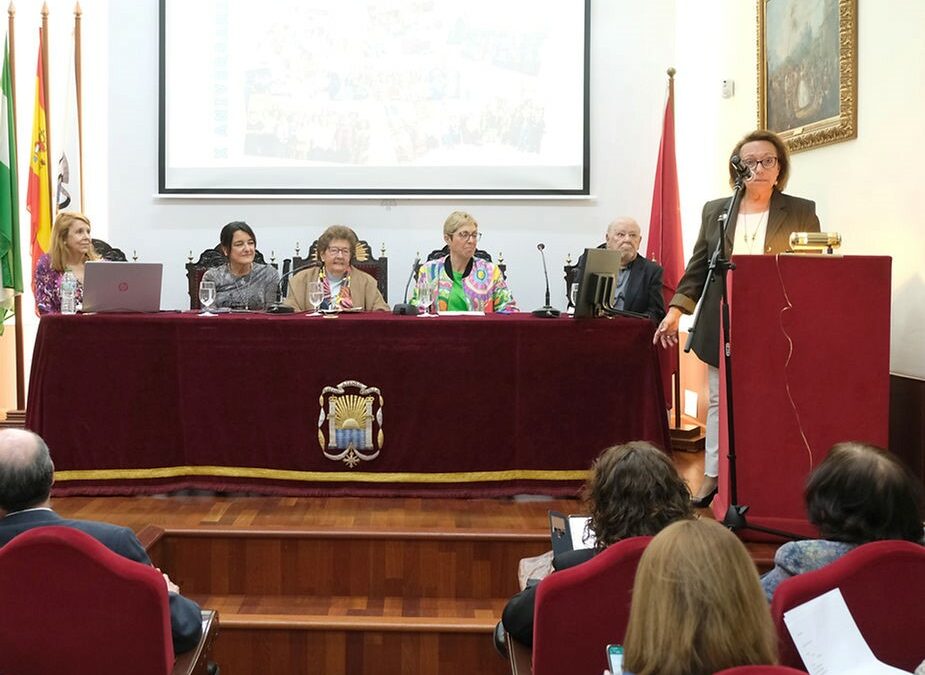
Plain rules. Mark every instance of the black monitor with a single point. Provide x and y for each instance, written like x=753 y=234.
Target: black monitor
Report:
x=597 y=284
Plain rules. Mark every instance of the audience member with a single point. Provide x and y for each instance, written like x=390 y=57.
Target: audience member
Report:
x=26 y=477
x=242 y=283
x=633 y=490
x=858 y=494
x=697 y=605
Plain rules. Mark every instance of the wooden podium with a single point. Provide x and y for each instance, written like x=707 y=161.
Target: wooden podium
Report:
x=810 y=365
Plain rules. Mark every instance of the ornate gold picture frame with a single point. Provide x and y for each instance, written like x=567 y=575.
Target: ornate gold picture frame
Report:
x=807 y=71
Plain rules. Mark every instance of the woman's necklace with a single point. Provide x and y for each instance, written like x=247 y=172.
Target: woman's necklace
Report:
x=750 y=237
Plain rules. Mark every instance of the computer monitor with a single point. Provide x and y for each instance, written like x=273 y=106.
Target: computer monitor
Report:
x=597 y=283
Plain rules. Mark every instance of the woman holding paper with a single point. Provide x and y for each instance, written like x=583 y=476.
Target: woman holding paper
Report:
x=460 y=281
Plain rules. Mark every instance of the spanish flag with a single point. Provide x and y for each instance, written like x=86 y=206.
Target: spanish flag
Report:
x=38 y=197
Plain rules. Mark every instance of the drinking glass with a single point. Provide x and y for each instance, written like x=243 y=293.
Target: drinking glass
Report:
x=425 y=297
x=206 y=296
x=315 y=296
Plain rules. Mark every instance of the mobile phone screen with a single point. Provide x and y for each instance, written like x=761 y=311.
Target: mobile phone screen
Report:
x=615 y=658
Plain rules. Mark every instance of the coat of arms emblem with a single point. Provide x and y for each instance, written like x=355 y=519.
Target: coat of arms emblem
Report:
x=350 y=423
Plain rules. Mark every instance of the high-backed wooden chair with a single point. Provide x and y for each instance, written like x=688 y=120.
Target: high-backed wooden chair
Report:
x=377 y=268
x=581 y=610
x=107 y=252
x=70 y=604
x=883 y=584
x=211 y=257
x=479 y=253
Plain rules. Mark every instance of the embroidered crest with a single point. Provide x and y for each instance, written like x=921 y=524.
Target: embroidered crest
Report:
x=350 y=423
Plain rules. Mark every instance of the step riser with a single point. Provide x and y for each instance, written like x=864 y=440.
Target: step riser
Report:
x=244 y=651
x=404 y=567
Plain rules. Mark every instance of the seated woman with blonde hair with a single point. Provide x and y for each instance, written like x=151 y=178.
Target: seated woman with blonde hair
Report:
x=460 y=281
x=697 y=605
x=343 y=286
x=71 y=247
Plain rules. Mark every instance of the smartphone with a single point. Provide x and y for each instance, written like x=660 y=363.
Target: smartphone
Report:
x=615 y=658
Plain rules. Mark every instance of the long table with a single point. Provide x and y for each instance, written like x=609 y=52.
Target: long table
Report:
x=446 y=406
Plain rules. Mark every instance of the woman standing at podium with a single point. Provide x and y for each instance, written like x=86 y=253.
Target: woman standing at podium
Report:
x=765 y=221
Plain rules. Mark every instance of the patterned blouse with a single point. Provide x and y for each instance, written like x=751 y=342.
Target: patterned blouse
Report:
x=797 y=557
x=254 y=290
x=483 y=285
x=46 y=284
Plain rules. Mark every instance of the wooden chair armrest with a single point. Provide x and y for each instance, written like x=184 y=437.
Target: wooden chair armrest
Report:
x=196 y=660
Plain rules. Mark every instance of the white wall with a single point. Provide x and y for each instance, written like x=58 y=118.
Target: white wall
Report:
x=867 y=189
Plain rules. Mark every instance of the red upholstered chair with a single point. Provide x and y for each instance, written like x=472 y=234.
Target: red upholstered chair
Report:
x=582 y=609
x=761 y=670
x=72 y=605
x=883 y=584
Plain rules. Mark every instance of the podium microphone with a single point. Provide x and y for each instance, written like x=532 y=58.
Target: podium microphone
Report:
x=741 y=170
x=547 y=311
x=405 y=307
x=278 y=307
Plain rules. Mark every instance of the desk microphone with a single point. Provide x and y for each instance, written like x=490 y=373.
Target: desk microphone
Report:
x=547 y=311
x=278 y=307
x=405 y=307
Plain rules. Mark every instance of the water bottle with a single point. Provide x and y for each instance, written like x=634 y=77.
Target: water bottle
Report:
x=68 y=293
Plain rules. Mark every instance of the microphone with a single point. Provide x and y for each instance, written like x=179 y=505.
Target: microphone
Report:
x=741 y=170
x=547 y=311
x=278 y=307
x=405 y=307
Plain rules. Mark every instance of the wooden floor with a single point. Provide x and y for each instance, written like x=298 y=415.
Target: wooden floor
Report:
x=347 y=585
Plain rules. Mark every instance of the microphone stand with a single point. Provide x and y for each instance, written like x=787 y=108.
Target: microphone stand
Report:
x=405 y=307
x=278 y=307
x=717 y=272
x=547 y=311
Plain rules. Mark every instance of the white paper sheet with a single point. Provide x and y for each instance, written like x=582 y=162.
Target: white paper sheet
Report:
x=829 y=641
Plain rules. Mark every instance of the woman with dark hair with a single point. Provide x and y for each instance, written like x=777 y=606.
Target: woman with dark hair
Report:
x=765 y=221
x=697 y=606
x=71 y=247
x=633 y=490
x=342 y=286
x=242 y=283
x=858 y=494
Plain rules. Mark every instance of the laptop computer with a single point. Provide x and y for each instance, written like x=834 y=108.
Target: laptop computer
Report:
x=122 y=286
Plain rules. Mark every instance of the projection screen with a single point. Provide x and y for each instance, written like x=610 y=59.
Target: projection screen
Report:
x=401 y=97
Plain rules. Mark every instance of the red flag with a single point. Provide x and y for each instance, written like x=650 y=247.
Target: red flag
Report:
x=665 y=245
x=38 y=197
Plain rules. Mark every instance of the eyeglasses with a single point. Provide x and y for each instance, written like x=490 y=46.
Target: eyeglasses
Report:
x=468 y=236
x=341 y=251
x=767 y=163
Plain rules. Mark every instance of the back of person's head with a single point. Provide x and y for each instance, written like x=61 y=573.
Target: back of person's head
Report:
x=861 y=493
x=697 y=605
x=26 y=470
x=634 y=490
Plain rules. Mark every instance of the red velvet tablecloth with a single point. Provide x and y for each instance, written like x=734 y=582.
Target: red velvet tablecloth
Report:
x=454 y=406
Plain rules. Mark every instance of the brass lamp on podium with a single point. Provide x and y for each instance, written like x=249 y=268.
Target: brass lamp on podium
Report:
x=814 y=242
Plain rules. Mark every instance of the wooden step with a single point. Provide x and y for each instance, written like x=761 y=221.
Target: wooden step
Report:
x=355 y=636
x=321 y=563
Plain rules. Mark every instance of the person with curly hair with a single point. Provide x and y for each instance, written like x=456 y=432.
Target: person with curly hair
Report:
x=858 y=494
x=633 y=490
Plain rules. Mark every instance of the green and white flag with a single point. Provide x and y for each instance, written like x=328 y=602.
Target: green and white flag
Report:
x=10 y=261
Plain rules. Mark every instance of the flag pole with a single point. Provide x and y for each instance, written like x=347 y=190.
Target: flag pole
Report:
x=44 y=35
x=17 y=301
x=676 y=375
x=78 y=13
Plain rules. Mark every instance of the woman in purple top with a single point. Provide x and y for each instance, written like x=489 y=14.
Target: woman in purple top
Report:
x=71 y=247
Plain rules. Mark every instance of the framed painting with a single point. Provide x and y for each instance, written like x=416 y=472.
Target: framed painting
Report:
x=807 y=71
